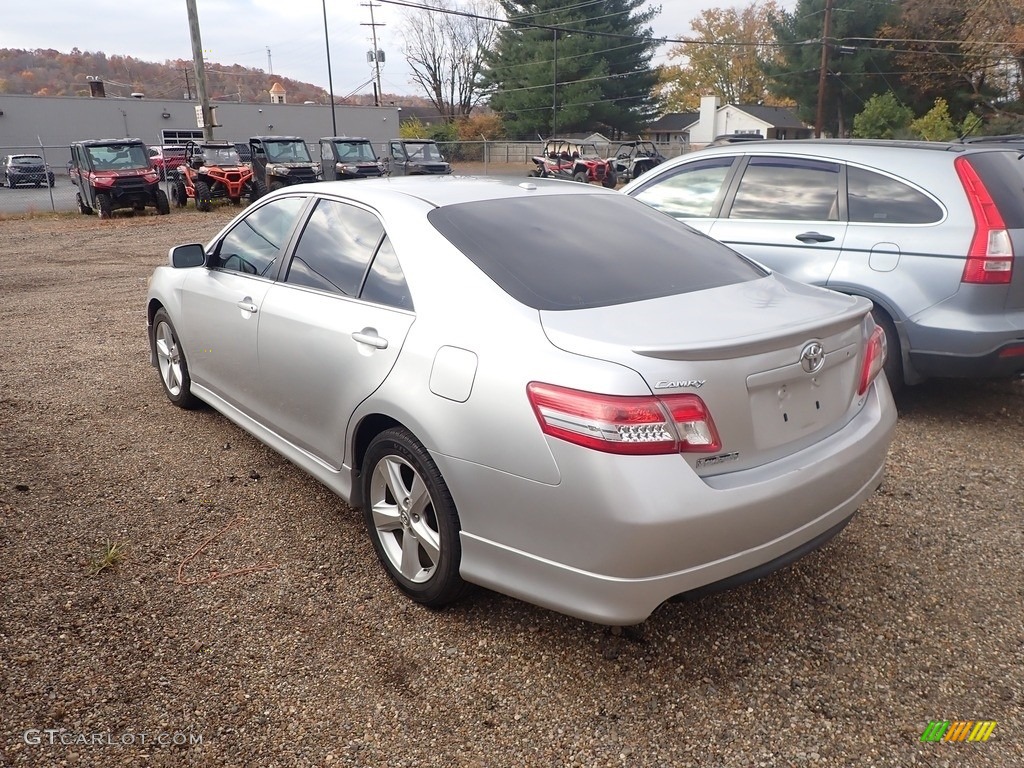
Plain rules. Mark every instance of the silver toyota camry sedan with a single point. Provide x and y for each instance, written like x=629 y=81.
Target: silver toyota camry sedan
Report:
x=545 y=388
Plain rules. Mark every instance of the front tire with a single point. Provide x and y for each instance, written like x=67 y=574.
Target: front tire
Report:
x=610 y=179
x=203 y=197
x=171 y=362
x=179 y=195
x=581 y=176
x=411 y=518
x=104 y=206
x=82 y=207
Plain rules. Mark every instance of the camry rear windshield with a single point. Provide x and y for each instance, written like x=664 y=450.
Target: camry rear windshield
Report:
x=555 y=252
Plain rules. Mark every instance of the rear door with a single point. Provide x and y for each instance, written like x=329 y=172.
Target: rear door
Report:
x=785 y=213
x=332 y=329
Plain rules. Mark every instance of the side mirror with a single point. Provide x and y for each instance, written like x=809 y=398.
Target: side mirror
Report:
x=186 y=256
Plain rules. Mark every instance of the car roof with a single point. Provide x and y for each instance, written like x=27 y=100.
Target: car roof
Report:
x=108 y=142
x=440 y=191
x=344 y=138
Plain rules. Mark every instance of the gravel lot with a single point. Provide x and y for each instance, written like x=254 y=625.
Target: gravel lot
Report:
x=309 y=657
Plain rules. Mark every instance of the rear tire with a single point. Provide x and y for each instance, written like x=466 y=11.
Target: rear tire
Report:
x=894 y=354
x=163 y=207
x=179 y=195
x=411 y=519
x=581 y=176
x=203 y=197
x=104 y=206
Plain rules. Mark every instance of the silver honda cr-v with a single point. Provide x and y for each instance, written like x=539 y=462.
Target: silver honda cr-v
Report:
x=932 y=233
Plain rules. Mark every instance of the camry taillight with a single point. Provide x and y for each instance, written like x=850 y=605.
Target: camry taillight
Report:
x=990 y=258
x=874 y=359
x=624 y=424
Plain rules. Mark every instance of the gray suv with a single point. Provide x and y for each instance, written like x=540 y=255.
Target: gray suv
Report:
x=932 y=233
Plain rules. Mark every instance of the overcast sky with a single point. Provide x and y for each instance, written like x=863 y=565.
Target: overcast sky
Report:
x=241 y=31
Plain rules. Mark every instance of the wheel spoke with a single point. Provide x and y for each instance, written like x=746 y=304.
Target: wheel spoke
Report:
x=410 y=566
x=385 y=517
x=429 y=540
x=394 y=479
x=419 y=497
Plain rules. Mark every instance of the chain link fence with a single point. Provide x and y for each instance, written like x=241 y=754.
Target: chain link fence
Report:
x=489 y=158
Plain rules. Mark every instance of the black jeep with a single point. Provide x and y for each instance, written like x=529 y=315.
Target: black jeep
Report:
x=346 y=157
x=115 y=173
x=278 y=161
x=415 y=157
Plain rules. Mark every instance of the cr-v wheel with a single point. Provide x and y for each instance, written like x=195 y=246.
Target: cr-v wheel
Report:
x=411 y=519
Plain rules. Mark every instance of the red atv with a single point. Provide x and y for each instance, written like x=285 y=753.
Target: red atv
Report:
x=212 y=170
x=568 y=159
x=112 y=174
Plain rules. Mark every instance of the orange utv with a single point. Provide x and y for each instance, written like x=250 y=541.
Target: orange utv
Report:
x=212 y=170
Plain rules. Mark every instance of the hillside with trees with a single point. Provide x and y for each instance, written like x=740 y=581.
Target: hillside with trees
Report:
x=52 y=73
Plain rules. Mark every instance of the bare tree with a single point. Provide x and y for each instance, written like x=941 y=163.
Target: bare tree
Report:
x=445 y=47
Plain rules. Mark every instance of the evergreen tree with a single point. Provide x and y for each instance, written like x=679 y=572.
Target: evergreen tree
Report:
x=562 y=68
x=855 y=70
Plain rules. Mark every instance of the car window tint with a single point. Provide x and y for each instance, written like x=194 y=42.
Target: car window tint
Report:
x=691 y=191
x=875 y=198
x=788 y=188
x=385 y=282
x=335 y=248
x=254 y=244
x=628 y=252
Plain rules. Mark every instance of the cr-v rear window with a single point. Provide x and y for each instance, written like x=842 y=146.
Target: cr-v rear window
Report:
x=1003 y=176
x=555 y=252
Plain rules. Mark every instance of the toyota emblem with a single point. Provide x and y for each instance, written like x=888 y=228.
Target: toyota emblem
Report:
x=812 y=357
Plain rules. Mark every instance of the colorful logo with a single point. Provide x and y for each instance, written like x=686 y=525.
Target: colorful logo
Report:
x=958 y=730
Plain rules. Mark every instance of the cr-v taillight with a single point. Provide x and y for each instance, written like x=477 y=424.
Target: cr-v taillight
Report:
x=874 y=359
x=624 y=424
x=990 y=258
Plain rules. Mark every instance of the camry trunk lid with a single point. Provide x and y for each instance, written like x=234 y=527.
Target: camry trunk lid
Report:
x=776 y=362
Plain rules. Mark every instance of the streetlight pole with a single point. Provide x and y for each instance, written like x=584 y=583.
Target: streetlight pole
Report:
x=330 y=80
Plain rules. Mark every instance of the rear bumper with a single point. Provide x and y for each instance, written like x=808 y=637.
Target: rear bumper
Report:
x=1006 y=361
x=614 y=540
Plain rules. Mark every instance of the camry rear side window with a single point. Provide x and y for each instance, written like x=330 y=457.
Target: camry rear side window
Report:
x=788 y=188
x=577 y=251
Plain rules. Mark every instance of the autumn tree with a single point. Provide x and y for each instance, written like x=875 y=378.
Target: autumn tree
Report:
x=565 y=67
x=935 y=124
x=971 y=55
x=726 y=58
x=445 y=46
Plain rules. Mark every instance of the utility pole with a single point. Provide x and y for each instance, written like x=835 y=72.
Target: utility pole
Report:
x=330 y=79
x=823 y=73
x=197 y=62
x=188 y=85
x=554 y=82
x=376 y=51
x=270 y=64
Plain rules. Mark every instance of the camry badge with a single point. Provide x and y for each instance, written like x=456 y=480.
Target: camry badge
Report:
x=812 y=357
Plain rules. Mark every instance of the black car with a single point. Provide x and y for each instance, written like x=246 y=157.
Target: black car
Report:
x=26 y=169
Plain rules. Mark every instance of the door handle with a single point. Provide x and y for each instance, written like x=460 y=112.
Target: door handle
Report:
x=369 y=336
x=247 y=305
x=814 y=237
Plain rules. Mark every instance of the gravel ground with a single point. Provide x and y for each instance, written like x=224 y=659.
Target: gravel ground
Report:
x=282 y=643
